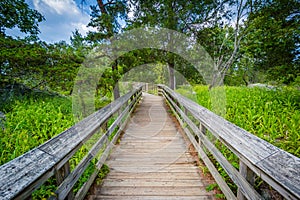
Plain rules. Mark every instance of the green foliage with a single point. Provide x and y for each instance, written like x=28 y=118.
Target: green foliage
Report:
x=16 y=13
x=212 y=38
x=85 y=176
x=211 y=187
x=271 y=45
x=39 y=65
x=220 y=196
x=31 y=121
x=107 y=17
x=272 y=115
x=102 y=174
x=46 y=190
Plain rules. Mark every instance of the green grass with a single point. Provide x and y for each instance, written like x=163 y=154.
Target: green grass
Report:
x=31 y=121
x=273 y=115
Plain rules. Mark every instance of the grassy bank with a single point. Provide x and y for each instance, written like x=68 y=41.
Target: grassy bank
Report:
x=273 y=115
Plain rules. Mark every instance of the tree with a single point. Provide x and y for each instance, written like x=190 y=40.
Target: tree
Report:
x=61 y=66
x=183 y=16
x=16 y=13
x=18 y=57
x=38 y=65
x=224 y=39
x=106 y=18
x=272 y=42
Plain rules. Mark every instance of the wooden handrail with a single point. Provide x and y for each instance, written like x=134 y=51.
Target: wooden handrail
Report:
x=21 y=176
x=278 y=168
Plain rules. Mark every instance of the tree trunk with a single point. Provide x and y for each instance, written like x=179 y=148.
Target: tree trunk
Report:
x=116 y=91
x=116 y=81
x=171 y=75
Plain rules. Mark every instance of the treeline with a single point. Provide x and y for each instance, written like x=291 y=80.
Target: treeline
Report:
x=39 y=65
x=249 y=41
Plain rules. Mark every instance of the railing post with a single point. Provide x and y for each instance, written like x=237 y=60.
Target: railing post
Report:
x=60 y=176
x=104 y=127
x=203 y=131
x=159 y=93
x=185 y=111
x=248 y=174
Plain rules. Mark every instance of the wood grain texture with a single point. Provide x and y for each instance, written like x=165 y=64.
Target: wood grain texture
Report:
x=152 y=160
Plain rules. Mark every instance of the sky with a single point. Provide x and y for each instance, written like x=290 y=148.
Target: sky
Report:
x=62 y=17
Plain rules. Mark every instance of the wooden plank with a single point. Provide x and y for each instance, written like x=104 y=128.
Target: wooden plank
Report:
x=248 y=175
x=156 y=191
x=16 y=175
x=284 y=167
x=151 y=169
x=167 y=176
x=158 y=161
x=151 y=183
x=117 y=197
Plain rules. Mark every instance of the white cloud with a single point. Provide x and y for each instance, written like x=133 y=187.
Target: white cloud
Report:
x=62 y=18
x=59 y=7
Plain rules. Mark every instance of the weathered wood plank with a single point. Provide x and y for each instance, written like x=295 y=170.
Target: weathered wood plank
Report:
x=154 y=191
x=285 y=168
x=248 y=175
x=151 y=183
x=124 y=160
x=16 y=174
x=175 y=176
x=117 y=197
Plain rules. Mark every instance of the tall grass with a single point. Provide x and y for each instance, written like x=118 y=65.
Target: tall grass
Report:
x=31 y=121
x=273 y=115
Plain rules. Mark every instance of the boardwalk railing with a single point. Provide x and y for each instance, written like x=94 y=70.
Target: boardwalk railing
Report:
x=257 y=157
x=21 y=176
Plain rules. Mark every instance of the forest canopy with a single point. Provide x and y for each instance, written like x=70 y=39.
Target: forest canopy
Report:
x=249 y=41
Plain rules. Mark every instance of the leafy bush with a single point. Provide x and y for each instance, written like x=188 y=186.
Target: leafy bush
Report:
x=31 y=121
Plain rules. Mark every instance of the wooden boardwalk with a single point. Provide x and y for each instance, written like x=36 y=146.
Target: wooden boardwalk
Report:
x=152 y=160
